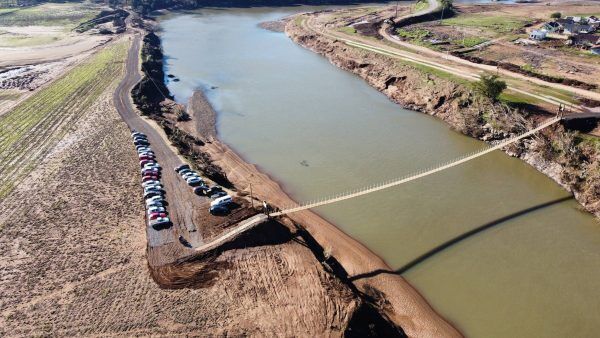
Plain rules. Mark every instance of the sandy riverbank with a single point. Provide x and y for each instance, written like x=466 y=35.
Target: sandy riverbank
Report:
x=398 y=300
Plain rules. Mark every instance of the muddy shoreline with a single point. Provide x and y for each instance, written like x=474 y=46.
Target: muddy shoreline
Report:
x=400 y=302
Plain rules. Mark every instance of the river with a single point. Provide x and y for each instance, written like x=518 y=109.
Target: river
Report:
x=319 y=130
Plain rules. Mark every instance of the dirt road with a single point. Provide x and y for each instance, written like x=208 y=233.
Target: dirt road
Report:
x=425 y=52
x=164 y=245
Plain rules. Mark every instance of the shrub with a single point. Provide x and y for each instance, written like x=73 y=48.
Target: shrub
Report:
x=556 y=15
x=490 y=86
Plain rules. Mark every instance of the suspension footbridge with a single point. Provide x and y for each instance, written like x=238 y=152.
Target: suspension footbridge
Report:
x=414 y=176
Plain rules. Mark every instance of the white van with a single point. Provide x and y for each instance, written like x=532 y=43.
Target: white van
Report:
x=221 y=201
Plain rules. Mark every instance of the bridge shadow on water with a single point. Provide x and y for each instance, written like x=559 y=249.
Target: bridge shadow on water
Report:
x=460 y=238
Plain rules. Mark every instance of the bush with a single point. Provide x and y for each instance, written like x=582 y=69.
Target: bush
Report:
x=556 y=15
x=490 y=86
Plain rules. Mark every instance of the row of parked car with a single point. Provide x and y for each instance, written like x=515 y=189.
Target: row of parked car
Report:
x=221 y=200
x=153 y=189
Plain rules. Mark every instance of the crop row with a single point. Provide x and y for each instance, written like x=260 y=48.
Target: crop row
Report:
x=32 y=128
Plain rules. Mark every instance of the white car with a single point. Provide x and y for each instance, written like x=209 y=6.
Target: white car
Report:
x=151 y=183
x=190 y=174
x=224 y=200
x=160 y=222
x=156 y=209
x=150 y=171
x=152 y=188
x=154 y=200
x=194 y=181
x=152 y=165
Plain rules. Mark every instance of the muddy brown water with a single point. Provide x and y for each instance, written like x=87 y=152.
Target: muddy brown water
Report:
x=531 y=267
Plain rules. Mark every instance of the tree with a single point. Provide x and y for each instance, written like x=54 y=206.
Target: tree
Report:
x=490 y=86
x=446 y=5
x=555 y=15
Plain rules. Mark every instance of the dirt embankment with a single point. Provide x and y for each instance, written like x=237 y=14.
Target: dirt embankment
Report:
x=565 y=156
x=389 y=293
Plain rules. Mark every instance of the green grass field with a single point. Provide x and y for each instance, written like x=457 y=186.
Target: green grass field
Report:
x=69 y=15
x=9 y=40
x=469 y=42
x=347 y=30
x=519 y=99
x=497 y=24
x=31 y=129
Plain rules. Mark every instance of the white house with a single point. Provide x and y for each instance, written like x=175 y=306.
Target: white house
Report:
x=537 y=35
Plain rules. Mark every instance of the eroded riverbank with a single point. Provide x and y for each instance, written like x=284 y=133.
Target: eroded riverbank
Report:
x=385 y=303
x=320 y=131
x=395 y=297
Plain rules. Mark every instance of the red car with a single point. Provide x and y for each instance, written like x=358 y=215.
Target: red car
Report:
x=156 y=215
x=149 y=177
x=145 y=157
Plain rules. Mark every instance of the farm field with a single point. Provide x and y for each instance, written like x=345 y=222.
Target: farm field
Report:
x=49 y=14
x=34 y=126
x=41 y=25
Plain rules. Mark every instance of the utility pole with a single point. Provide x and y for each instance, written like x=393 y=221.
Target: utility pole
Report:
x=251 y=197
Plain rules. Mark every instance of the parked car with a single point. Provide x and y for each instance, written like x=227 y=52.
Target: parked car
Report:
x=201 y=190
x=150 y=171
x=224 y=200
x=152 y=164
x=141 y=149
x=156 y=209
x=160 y=222
x=147 y=178
x=137 y=133
x=140 y=139
x=194 y=181
x=153 y=193
x=153 y=188
x=217 y=194
x=213 y=190
x=181 y=167
x=144 y=163
x=218 y=209
x=156 y=215
x=155 y=203
x=185 y=172
x=189 y=174
x=147 y=157
x=151 y=183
